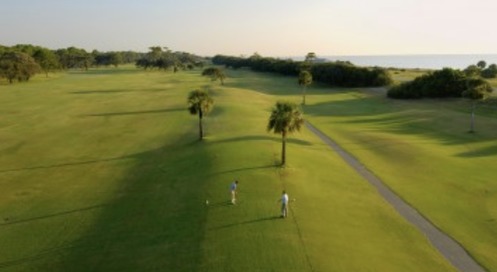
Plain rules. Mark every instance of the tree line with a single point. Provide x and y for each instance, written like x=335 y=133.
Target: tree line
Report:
x=162 y=58
x=339 y=73
x=447 y=82
x=481 y=69
x=23 y=61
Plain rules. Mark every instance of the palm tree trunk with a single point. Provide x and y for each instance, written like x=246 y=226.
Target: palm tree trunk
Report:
x=200 y=128
x=303 y=93
x=472 y=128
x=283 y=148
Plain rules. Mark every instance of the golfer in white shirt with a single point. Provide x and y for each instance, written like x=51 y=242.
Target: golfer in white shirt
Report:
x=284 y=204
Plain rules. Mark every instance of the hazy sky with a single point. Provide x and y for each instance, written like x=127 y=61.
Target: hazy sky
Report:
x=269 y=27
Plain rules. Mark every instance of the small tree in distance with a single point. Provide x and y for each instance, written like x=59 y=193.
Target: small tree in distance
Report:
x=481 y=64
x=200 y=103
x=17 y=65
x=215 y=74
x=477 y=90
x=286 y=117
x=310 y=57
x=305 y=79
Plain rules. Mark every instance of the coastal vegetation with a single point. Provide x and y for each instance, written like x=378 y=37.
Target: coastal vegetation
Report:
x=442 y=83
x=342 y=74
x=481 y=69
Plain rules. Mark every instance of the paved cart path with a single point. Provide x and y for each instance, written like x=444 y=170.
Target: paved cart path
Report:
x=447 y=246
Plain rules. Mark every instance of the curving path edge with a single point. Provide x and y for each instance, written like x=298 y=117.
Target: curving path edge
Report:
x=447 y=246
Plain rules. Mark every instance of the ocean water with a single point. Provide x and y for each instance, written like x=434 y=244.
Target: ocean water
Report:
x=417 y=61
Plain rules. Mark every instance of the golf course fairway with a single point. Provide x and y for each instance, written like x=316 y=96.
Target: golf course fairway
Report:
x=103 y=171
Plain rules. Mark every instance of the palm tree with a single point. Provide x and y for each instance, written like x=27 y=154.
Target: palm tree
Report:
x=305 y=79
x=285 y=117
x=199 y=102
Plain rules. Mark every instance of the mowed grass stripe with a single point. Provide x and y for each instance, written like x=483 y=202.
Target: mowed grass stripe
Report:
x=336 y=203
x=422 y=150
x=111 y=177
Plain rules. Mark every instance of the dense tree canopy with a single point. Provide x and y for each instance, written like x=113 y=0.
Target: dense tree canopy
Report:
x=481 y=69
x=334 y=73
x=482 y=64
x=107 y=58
x=442 y=83
x=73 y=57
x=165 y=59
x=490 y=71
x=47 y=60
x=17 y=66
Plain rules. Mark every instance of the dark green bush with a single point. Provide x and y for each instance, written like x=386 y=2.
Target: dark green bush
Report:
x=490 y=72
x=442 y=83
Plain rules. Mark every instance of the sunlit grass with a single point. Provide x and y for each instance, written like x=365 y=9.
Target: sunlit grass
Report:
x=102 y=171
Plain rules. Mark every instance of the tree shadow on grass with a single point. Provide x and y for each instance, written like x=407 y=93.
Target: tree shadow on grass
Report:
x=47 y=253
x=152 y=220
x=9 y=221
x=261 y=138
x=259 y=220
x=481 y=152
x=125 y=113
x=266 y=83
x=117 y=91
x=244 y=169
x=67 y=164
x=106 y=71
x=155 y=222
x=407 y=118
x=103 y=91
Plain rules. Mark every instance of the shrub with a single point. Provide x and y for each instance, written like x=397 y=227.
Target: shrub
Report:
x=477 y=88
x=17 y=65
x=442 y=83
x=490 y=72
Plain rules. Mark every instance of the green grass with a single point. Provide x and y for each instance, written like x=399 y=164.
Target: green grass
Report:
x=102 y=171
x=403 y=75
x=423 y=151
